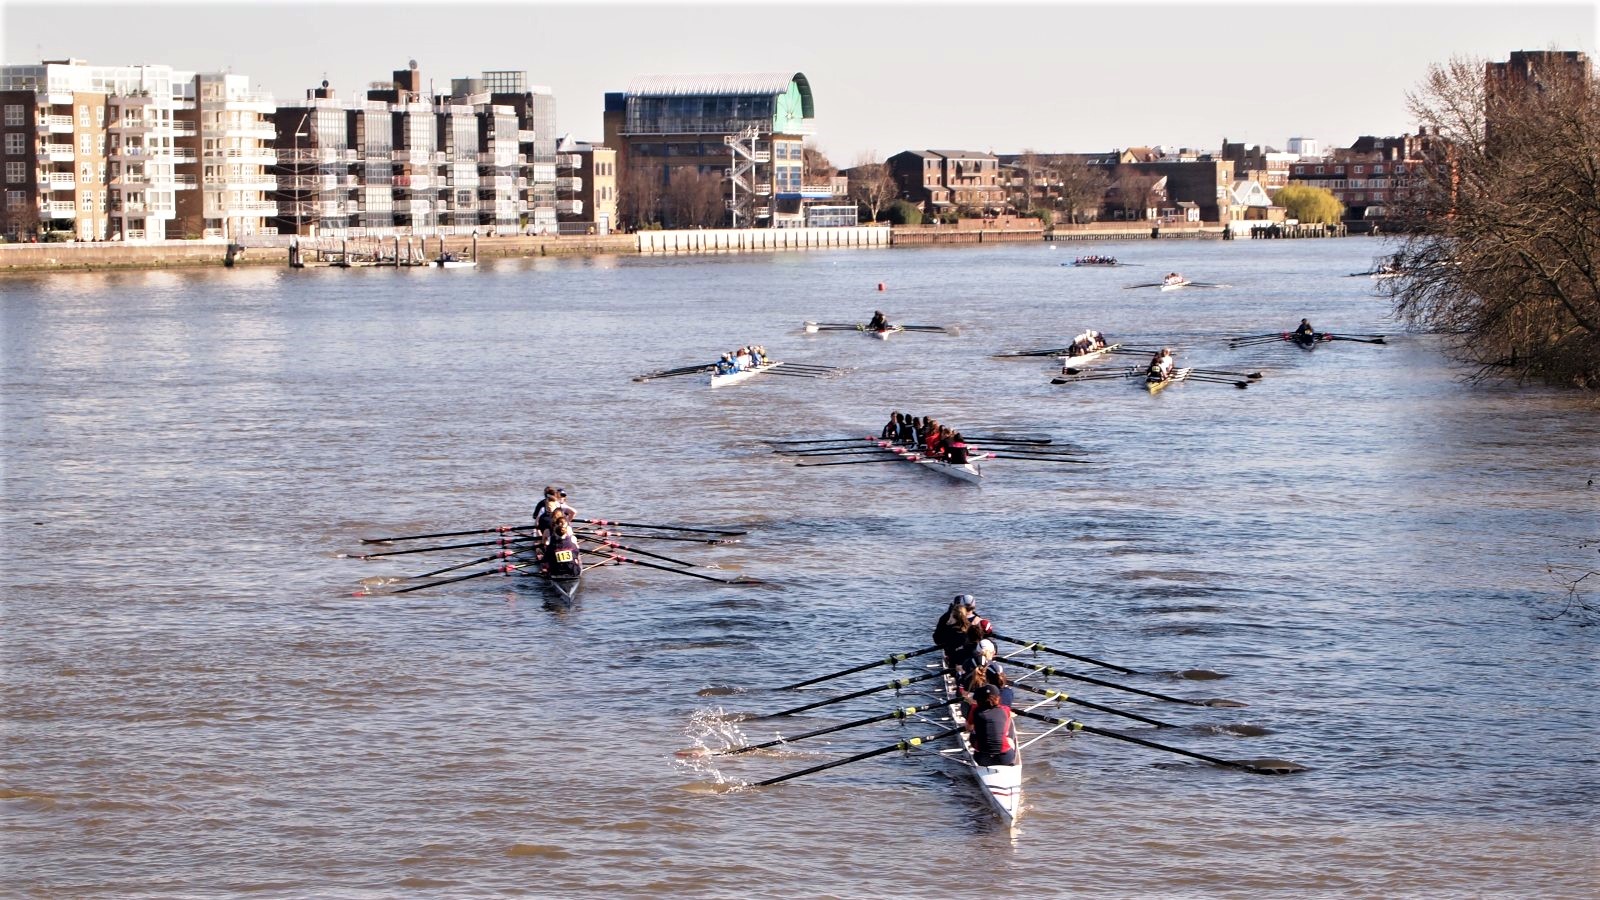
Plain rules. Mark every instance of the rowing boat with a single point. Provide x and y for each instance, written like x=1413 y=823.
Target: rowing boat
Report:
x=1174 y=285
x=882 y=334
x=1084 y=359
x=968 y=471
x=456 y=263
x=1156 y=387
x=741 y=375
x=1001 y=785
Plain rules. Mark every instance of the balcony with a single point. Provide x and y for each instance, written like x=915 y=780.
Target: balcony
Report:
x=261 y=131
x=569 y=207
x=55 y=124
x=525 y=136
x=57 y=152
x=569 y=185
x=185 y=129
x=58 y=181
x=58 y=210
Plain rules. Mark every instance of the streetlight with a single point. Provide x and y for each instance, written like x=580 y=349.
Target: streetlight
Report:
x=298 y=134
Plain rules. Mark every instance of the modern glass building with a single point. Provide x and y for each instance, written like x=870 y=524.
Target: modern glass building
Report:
x=748 y=129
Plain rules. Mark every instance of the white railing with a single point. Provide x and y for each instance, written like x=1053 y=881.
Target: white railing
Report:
x=56 y=209
x=569 y=184
x=55 y=123
x=59 y=181
x=59 y=152
x=251 y=131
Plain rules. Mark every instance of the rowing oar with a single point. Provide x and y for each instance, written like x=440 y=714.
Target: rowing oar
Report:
x=439 y=534
x=501 y=542
x=1253 y=376
x=1058 y=695
x=1054 y=459
x=1013 y=354
x=849 y=462
x=923 y=328
x=894 y=685
x=1037 y=647
x=1050 y=671
x=658 y=527
x=602 y=542
x=905 y=713
x=659 y=537
x=1259 y=767
x=1376 y=339
x=507 y=569
x=671 y=373
x=832 y=450
x=795 y=374
x=503 y=554
x=817 y=440
x=1211 y=379
x=742 y=579
x=1001 y=439
x=1107 y=376
x=906 y=745
x=1060 y=452
x=892 y=659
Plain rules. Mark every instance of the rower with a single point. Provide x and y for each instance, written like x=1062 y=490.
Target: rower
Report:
x=1098 y=340
x=1160 y=366
x=891 y=431
x=933 y=441
x=994 y=733
x=563 y=557
x=996 y=675
x=1305 y=334
x=759 y=354
x=879 y=322
x=955 y=450
x=741 y=358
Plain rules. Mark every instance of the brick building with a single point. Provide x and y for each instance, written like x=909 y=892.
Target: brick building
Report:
x=943 y=181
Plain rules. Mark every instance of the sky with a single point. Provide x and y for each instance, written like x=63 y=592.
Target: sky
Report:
x=1059 y=76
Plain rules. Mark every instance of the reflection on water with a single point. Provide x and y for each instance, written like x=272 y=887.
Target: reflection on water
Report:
x=1353 y=549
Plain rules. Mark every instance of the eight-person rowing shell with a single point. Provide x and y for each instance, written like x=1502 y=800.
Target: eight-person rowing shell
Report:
x=752 y=356
x=927 y=436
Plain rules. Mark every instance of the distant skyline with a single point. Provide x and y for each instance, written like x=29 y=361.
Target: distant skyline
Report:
x=1052 y=77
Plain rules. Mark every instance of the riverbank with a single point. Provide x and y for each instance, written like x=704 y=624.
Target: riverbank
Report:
x=99 y=256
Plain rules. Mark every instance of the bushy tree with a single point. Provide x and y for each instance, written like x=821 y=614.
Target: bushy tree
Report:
x=1310 y=204
x=1502 y=248
x=901 y=212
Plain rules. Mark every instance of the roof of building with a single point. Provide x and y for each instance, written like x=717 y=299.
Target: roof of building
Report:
x=724 y=85
x=963 y=154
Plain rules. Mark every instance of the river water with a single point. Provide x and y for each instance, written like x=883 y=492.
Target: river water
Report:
x=202 y=698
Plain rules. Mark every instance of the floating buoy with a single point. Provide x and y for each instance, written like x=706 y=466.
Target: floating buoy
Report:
x=881 y=287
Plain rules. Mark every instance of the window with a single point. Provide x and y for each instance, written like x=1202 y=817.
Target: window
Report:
x=13 y=114
x=14 y=200
x=83 y=143
x=1399 y=170
x=1319 y=170
x=100 y=144
x=83 y=117
x=102 y=201
x=86 y=202
x=1377 y=170
x=15 y=145
x=16 y=173
x=1361 y=170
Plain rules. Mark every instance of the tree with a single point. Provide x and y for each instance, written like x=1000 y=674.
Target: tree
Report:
x=1134 y=192
x=872 y=185
x=902 y=212
x=639 y=196
x=1029 y=165
x=1083 y=187
x=1310 y=204
x=1502 y=246
x=817 y=164
x=694 y=199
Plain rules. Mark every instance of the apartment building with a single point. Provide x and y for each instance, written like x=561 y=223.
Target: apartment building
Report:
x=131 y=152
x=947 y=180
x=1370 y=173
x=402 y=160
x=747 y=128
x=586 y=183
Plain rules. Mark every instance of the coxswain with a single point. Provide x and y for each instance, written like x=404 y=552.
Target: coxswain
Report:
x=892 y=430
x=563 y=556
x=879 y=322
x=994 y=733
x=1305 y=334
x=955 y=450
x=725 y=365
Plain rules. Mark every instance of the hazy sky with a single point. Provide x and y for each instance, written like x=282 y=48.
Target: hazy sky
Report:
x=1063 y=76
